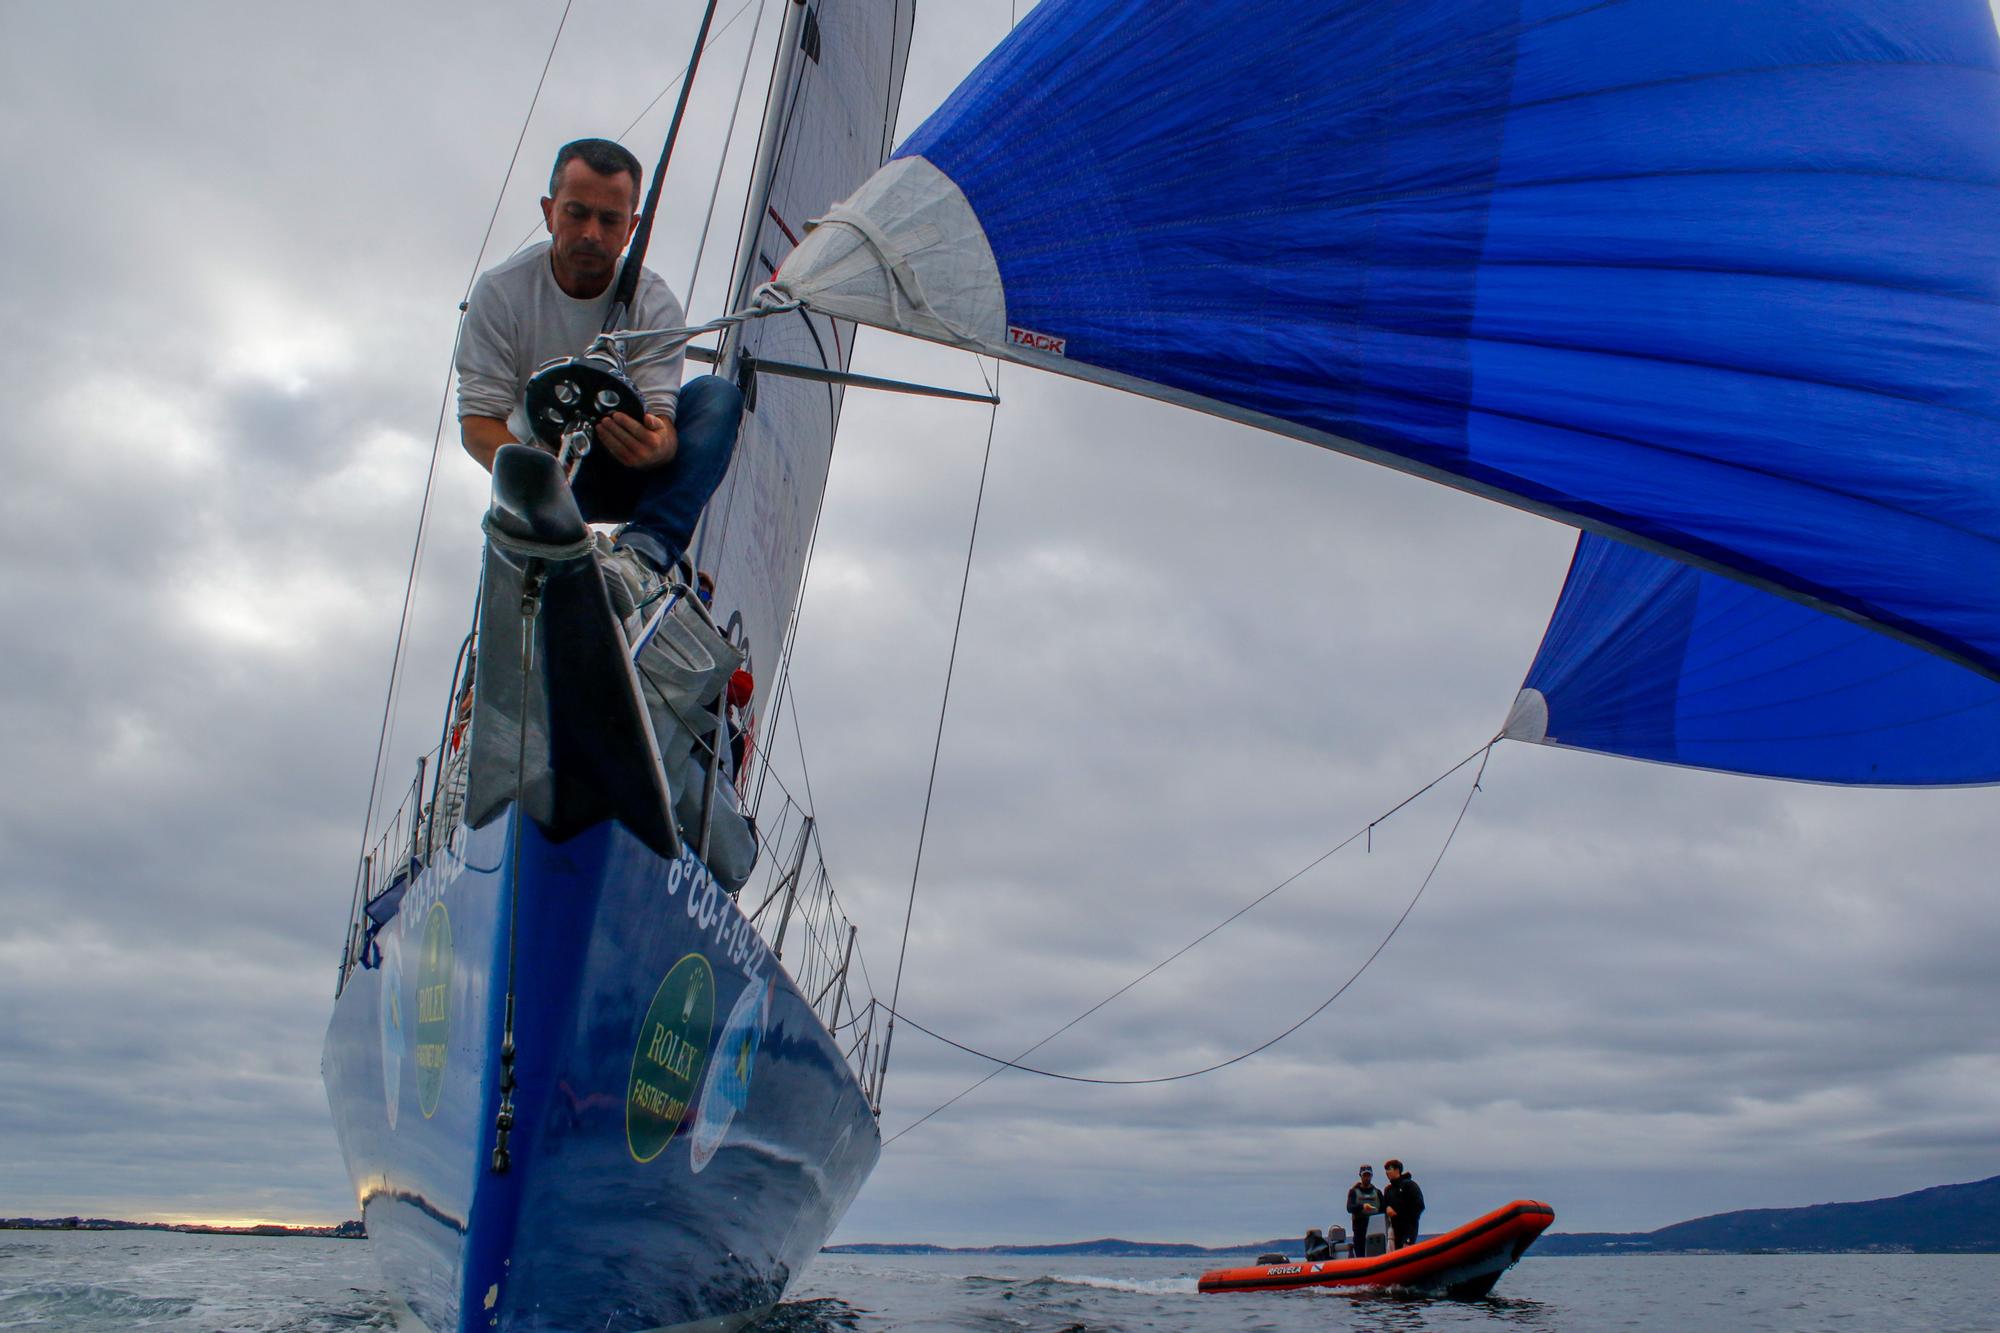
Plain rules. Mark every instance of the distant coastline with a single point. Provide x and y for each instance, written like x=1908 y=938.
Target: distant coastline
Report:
x=342 y=1231
x=1944 y=1219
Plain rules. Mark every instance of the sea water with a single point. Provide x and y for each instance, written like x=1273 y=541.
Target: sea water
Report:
x=101 y=1281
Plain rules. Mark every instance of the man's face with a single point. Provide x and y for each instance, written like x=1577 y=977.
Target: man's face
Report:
x=589 y=221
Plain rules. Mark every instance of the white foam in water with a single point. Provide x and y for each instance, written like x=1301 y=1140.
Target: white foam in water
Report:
x=1155 y=1286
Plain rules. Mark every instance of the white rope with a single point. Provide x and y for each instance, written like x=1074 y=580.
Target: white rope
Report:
x=680 y=337
x=533 y=549
x=903 y=281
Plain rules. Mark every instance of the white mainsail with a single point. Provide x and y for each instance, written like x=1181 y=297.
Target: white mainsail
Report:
x=830 y=128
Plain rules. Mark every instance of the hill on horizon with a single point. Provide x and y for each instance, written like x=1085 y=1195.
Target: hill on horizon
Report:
x=1943 y=1219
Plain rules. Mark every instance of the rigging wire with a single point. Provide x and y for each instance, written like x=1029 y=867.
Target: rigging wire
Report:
x=812 y=807
x=658 y=97
x=437 y=441
x=1482 y=755
x=722 y=159
x=937 y=744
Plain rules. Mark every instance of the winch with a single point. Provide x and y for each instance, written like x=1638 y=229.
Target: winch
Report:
x=566 y=398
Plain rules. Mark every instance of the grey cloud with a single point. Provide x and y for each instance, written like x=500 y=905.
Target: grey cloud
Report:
x=1193 y=659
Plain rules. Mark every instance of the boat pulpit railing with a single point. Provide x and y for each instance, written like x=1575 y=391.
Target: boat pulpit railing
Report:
x=791 y=901
x=422 y=825
x=386 y=867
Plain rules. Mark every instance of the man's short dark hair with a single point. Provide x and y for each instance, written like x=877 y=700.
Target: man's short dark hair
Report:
x=1392 y=1164
x=601 y=156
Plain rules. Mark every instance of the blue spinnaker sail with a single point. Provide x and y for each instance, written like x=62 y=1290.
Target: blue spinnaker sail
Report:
x=1722 y=280
x=1652 y=659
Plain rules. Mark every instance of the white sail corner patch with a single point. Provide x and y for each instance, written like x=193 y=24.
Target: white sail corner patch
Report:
x=1529 y=719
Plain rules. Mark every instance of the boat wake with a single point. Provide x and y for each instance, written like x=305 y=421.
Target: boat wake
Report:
x=1158 y=1286
x=70 y=1305
x=103 y=1308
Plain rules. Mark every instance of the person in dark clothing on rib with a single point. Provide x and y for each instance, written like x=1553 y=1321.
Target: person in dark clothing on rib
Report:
x=1364 y=1204
x=1404 y=1203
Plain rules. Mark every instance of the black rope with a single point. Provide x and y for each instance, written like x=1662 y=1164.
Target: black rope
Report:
x=1284 y=883
x=430 y=475
x=627 y=289
x=503 y=1120
x=937 y=744
x=1481 y=754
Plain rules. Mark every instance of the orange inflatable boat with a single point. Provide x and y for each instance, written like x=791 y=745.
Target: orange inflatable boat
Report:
x=1464 y=1263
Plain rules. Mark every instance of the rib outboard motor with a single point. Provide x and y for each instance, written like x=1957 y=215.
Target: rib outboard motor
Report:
x=1319 y=1247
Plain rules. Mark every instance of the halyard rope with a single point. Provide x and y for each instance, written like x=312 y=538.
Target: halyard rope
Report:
x=687 y=333
x=533 y=549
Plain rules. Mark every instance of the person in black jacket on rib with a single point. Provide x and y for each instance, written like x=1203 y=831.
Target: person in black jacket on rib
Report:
x=1404 y=1203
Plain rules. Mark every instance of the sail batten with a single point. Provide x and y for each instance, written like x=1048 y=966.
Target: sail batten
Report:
x=1716 y=281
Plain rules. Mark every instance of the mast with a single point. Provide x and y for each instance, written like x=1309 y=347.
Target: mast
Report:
x=763 y=171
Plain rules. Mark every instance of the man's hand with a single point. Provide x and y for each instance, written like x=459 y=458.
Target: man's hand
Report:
x=650 y=444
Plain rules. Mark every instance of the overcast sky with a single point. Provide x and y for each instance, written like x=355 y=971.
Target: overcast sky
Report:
x=1194 y=658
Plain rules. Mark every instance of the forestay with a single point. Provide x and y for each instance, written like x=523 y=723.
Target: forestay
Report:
x=835 y=127
x=1722 y=280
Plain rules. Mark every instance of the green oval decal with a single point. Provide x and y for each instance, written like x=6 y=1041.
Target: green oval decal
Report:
x=668 y=1058
x=433 y=1008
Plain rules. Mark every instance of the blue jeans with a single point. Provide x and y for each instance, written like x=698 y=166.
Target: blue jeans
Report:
x=663 y=504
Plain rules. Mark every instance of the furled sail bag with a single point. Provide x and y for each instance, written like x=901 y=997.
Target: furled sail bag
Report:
x=684 y=664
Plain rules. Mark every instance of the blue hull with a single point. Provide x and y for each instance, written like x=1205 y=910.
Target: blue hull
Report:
x=685 y=1131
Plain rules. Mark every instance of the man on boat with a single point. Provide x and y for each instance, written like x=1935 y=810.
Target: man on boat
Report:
x=1364 y=1203
x=550 y=301
x=1404 y=1204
